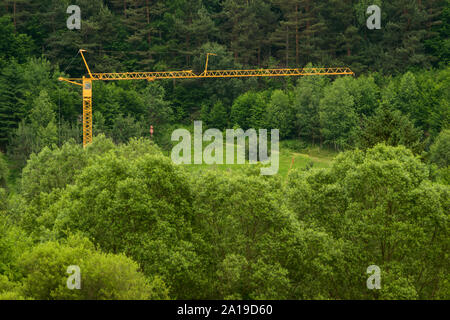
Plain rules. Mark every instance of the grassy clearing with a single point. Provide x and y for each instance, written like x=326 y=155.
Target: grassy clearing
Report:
x=314 y=157
x=294 y=160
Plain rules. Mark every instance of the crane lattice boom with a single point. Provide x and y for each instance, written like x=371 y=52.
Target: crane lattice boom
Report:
x=86 y=82
x=220 y=74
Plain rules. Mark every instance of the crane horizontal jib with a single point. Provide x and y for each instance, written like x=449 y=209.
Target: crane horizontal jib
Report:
x=86 y=82
x=189 y=74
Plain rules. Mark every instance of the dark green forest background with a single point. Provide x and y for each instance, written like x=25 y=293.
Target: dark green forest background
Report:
x=142 y=228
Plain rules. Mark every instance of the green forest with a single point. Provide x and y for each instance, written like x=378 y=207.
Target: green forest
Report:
x=364 y=174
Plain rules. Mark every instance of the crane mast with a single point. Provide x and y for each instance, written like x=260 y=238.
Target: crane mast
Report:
x=86 y=82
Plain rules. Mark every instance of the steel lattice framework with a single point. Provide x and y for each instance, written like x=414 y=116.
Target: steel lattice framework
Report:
x=86 y=82
x=189 y=74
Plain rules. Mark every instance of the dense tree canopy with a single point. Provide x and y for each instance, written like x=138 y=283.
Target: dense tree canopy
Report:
x=387 y=212
x=227 y=235
x=140 y=227
x=160 y=34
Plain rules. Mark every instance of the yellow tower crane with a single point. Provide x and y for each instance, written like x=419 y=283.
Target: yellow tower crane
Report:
x=86 y=82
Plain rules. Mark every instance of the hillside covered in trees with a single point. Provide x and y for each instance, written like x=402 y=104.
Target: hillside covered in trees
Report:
x=140 y=227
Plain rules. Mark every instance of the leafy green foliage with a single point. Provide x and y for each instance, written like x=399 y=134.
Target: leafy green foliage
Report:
x=308 y=93
x=13 y=242
x=12 y=44
x=103 y=276
x=130 y=199
x=280 y=114
x=440 y=150
x=255 y=246
x=157 y=231
x=387 y=212
x=217 y=117
x=248 y=111
x=391 y=127
x=4 y=171
x=124 y=128
x=338 y=118
x=50 y=169
x=10 y=290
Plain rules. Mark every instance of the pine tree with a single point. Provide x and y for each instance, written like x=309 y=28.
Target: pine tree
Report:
x=313 y=34
x=11 y=100
x=391 y=127
x=138 y=21
x=405 y=34
x=43 y=121
x=285 y=37
x=119 y=6
x=194 y=26
x=241 y=29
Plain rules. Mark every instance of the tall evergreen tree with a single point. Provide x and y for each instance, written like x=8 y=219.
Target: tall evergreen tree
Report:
x=11 y=100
